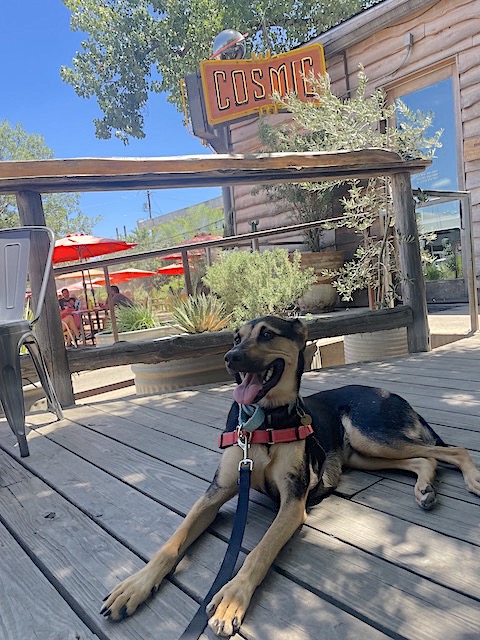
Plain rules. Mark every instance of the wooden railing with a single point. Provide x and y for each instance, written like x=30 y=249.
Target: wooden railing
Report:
x=28 y=180
x=328 y=325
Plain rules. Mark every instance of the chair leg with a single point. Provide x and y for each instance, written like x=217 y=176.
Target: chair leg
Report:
x=53 y=404
x=11 y=392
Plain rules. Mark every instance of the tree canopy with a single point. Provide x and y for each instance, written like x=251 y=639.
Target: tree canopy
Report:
x=135 y=48
x=62 y=210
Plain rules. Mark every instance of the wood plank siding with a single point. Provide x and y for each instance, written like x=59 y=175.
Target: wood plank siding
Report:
x=445 y=34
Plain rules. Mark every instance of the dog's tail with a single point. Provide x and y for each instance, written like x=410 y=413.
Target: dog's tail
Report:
x=437 y=440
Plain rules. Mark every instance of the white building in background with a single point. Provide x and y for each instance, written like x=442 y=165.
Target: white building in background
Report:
x=149 y=223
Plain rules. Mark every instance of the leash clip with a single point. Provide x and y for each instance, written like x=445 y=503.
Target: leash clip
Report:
x=243 y=441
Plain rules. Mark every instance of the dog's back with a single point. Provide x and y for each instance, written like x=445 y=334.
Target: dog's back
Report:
x=378 y=414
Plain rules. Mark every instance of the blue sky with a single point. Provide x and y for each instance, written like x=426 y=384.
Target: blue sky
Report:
x=35 y=41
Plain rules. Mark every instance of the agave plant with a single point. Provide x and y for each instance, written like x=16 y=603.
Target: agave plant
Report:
x=201 y=313
x=135 y=318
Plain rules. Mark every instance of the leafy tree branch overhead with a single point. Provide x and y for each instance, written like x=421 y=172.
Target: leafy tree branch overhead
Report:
x=135 y=48
x=62 y=210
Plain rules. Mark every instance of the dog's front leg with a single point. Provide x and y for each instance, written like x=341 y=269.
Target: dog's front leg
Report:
x=129 y=594
x=228 y=607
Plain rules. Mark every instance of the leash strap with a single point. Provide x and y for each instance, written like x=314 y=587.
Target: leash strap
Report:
x=200 y=619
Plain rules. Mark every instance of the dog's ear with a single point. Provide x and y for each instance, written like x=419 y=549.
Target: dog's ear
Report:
x=301 y=332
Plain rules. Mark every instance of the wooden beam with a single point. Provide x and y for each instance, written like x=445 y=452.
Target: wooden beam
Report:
x=412 y=280
x=100 y=174
x=337 y=323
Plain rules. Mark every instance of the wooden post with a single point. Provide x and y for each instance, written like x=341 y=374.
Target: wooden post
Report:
x=49 y=327
x=186 y=272
x=413 y=283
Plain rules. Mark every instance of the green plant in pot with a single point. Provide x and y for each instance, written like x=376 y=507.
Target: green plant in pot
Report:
x=252 y=284
x=138 y=322
x=358 y=122
x=197 y=314
x=200 y=313
x=135 y=318
x=305 y=202
x=361 y=121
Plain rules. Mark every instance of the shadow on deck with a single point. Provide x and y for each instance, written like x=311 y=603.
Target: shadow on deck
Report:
x=103 y=488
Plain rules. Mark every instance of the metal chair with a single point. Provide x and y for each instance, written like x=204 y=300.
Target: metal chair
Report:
x=16 y=331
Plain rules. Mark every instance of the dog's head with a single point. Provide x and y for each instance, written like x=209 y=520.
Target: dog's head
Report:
x=267 y=361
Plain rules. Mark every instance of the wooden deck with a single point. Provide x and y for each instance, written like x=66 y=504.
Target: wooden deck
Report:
x=104 y=488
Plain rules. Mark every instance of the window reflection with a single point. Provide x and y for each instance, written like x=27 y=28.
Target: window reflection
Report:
x=443 y=219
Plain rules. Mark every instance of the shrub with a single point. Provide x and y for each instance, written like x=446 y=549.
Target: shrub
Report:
x=256 y=284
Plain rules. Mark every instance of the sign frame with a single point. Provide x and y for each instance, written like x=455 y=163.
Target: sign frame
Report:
x=234 y=89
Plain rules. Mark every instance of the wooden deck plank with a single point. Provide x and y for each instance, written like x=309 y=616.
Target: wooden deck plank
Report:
x=451 y=517
x=145 y=524
x=31 y=607
x=319 y=564
x=447 y=560
x=83 y=559
x=119 y=475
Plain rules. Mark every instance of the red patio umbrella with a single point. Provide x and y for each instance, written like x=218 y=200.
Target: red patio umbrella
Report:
x=125 y=275
x=94 y=273
x=172 y=270
x=199 y=237
x=81 y=246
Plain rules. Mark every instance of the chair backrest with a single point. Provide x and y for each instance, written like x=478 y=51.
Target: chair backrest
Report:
x=15 y=249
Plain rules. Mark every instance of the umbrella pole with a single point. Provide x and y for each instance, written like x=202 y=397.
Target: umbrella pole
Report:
x=85 y=288
x=91 y=288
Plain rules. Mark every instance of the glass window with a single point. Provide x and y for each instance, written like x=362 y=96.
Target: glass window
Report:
x=443 y=219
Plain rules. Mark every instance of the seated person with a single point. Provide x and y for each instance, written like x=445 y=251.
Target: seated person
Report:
x=70 y=321
x=64 y=301
x=119 y=299
x=68 y=306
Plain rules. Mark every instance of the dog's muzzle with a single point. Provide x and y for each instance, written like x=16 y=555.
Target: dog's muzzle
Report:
x=254 y=379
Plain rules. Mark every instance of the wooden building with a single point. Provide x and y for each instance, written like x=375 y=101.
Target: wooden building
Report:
x=426 y=52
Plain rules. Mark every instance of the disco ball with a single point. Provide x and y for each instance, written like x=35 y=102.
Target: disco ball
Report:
x=229 y=45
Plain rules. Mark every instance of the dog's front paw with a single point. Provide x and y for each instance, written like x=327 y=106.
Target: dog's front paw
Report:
x=128 y=595
x=228 y=607
x=472 y=481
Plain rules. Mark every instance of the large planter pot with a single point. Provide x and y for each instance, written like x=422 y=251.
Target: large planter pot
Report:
x=377 y=345
x=172 y=374
x=178 y=374
x=321 y=296
x=102 y=338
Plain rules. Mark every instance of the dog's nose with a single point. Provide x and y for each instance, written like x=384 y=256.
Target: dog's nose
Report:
x=233 y=356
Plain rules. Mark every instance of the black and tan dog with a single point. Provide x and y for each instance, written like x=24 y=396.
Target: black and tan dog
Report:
x=355 y=426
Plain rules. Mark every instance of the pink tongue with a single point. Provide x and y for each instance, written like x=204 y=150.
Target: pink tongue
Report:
x=246 y=392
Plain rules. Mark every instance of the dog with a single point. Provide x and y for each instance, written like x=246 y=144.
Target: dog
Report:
x=356 y=427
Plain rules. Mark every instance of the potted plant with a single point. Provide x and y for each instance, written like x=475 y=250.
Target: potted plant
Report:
x=195 y=314
x=362 y=121
x=307 y=203
x=253 y=284
x=137 y=322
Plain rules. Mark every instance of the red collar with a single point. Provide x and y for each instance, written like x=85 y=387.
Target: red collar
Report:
x=266 y=436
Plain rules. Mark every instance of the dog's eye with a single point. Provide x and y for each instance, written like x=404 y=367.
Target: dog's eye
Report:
x=236 y=339
x=266 y=334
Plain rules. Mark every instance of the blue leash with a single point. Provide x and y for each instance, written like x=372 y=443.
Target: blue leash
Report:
x=200 y=619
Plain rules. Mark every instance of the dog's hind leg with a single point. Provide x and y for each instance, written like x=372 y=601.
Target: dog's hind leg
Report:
x=129 y=594
x=423 y=468
x=459 y=457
